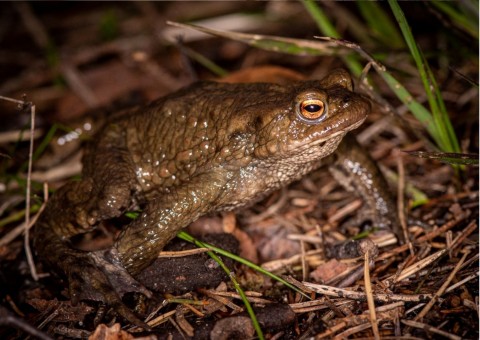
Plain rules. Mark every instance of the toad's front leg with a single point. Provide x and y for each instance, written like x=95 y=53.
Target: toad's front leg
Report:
x=354 y=169
x=140 y=242
x=106 y=275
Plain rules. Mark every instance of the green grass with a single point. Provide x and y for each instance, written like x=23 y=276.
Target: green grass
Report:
x=379 y=25
x=441 y=130
x=185 y=236
x=328 y=29
x=463 y=14
x=109 y=25
x=435 y=118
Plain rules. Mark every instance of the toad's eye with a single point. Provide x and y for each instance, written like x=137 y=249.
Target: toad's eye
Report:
x=312 y=110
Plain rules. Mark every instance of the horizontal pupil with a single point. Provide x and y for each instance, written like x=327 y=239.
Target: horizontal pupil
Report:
x=312 y=108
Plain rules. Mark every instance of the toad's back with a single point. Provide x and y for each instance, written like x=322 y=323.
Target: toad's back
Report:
x=248 y=127
x=192 y=131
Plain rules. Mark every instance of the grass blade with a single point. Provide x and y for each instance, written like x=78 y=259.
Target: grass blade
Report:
x=467 y=21
x=444 y=135
x=270 y=42
x=327 y=29
x=380 y=25
x=448 y=157
x=184 y=236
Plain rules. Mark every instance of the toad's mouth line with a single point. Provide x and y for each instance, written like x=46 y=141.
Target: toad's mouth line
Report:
x=340 y=129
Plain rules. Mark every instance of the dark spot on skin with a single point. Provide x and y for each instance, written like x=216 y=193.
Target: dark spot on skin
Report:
x=258 y=123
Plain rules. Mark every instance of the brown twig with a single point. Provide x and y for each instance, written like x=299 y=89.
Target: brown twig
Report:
x=78 y=85
x=9 y=237
x=441 y=290
x=349 y=294
x=369 y=294
x=28 y=251
x=32 y=24
x=10 y=320
x=417 y=266
x=428 y=329
x=459 y=283
x=401 y=202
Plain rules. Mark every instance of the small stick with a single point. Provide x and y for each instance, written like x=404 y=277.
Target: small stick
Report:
x=428 y=329
x=350 y=294
x=16 y=101
x=459 y=283
x=442 y=289
x=28 y=251
x=401 y=202
x=471 y=227
x=417 y=266
x=370 y=301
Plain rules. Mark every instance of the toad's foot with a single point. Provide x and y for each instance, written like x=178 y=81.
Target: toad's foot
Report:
x=372 y=220
x=103 y=204
x=100 y=276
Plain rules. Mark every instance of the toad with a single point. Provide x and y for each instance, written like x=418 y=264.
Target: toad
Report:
x=206 y=148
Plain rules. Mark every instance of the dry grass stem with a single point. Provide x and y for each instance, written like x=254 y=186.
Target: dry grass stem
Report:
x=28 y=251
x=352 y=330
x=349 y=294
x=462 y=282
x=369 y=294
x=19 y=136
x=223 y=300
x=14 y=233
x=182 y=253
x=458 y=241
x=344 y=211
x=430 y=329
x=416 y=267
x=305 y=238
x=277 y=265
x=442 y=289
x=401 y=202
x=161 y=319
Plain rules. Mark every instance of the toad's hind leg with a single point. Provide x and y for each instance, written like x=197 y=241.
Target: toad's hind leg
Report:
x=105 y=191
x=91 y=275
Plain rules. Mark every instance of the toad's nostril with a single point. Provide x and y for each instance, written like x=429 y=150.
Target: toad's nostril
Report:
x=346 y=99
